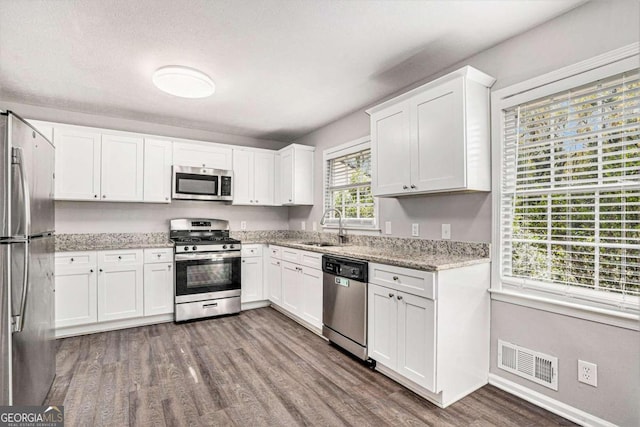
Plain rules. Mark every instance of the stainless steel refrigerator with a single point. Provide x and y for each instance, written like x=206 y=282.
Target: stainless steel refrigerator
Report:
x=27 y=347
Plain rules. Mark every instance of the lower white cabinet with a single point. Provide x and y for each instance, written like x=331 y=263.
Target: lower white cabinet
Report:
x=158 y=288
x=252 y=275
x=120 y=285
x=430 y=330
x=76 y=298
x=297 y=286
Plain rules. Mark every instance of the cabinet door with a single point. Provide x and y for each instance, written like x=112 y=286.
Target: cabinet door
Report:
x=202 y=155
x=416 y=340
x=77 y=164
x=263 y=179
x=312 y=296
x=292 y=288
x=120 y=292
x=286 y=176
x=243 y=177
x=76 y=296
x=275 y=282
x=251 y=273
x=158 y=288
x=122 y=168
x=438 y=138
x=390 y=151
x=383 y=325
x=302 y=176
x=158 y=155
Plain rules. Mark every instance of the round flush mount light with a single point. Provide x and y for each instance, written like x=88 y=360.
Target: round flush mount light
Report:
x=183 y=81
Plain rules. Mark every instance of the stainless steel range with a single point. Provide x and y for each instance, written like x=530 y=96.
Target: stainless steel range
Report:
x=207 y=281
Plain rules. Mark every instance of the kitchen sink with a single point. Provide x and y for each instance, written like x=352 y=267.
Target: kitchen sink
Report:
x=318 y=244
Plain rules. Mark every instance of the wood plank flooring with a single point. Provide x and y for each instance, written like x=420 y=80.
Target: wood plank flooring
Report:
x=257 y=368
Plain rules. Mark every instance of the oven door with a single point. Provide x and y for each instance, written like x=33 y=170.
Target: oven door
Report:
x=191 y=183
x=201 y=276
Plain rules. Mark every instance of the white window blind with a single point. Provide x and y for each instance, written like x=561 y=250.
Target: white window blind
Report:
x=348 y=189
x=570 y=191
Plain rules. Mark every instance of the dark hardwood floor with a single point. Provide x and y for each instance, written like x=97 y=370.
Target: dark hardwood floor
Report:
x=256 y=368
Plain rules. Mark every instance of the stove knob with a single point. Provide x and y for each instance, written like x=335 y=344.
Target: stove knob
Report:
x=186 y=248
x=195 y=247
x=224 y=246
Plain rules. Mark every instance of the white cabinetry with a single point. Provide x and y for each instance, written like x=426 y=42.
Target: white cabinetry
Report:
x=77 y=164
x=253 y=177
x=122 y=168
x=296 y=175
x=430 y=331
x=206 y=155
x=76 y=289
x=158 y=281
x=158 y=158
x=299 y=290
x=434 y=138
x=252 y=274
x=120 y=285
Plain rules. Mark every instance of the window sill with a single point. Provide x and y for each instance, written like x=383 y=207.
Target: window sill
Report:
x=621 y=319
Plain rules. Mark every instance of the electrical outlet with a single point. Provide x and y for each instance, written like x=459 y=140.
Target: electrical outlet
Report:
x=415 y=230
x=446 y=231
x=314 y=225
x=303 y=225
x=588 y=373
x=243 y=225
x=387 y=227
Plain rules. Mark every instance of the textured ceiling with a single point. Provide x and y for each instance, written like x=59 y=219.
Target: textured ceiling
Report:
x=282 y=67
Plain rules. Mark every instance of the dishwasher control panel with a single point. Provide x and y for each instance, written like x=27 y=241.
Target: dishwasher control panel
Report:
x=345 y=267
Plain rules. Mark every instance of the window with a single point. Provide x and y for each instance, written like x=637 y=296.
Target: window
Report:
x=348 y=185
x=569 y=202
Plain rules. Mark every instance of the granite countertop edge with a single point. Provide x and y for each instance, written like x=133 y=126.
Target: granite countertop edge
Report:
x=425 y=261
x=79 y=247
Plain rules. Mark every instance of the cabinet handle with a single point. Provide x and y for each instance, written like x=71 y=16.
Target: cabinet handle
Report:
x=100 y=270
x=399 y=297
x=169 y=266
x=395 y=277
x=71 y=259
x=91 y=271
x=413 y=186
x=404 y=187
x=166 y=198
x=159 y=255
x=244 y=260
x=104 y=196
x=204 y=165
x=250 y=201
x=278 y=263
x=289 y=200
x=119 y=257
x=390 y=295
x=95 y=196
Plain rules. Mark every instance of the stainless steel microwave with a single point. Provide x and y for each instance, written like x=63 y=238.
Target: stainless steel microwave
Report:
x=191 y=183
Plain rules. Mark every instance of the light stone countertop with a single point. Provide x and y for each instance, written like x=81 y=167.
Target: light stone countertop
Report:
x=111 y=241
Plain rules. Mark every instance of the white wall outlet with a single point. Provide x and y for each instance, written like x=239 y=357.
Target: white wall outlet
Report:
x=588 y=373
x=314 y=225
x=303 y=225
x=243 y=225
x=415 y=230
x=446 y=231
x=387 y=227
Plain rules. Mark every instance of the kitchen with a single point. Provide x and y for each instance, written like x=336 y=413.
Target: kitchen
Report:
x=119 y=145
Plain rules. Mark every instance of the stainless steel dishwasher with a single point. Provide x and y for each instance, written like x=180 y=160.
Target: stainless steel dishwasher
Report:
x=344 y=304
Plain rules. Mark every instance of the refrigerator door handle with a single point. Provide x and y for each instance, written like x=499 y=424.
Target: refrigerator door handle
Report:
x=17 y=321
x=17 y=158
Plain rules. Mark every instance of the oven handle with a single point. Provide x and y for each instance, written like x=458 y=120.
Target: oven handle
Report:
x=191 y=257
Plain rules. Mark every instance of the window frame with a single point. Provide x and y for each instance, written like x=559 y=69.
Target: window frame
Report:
x=339 y=151
x=588 y=304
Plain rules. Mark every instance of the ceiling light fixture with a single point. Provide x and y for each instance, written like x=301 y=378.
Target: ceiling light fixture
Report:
x=183 y=81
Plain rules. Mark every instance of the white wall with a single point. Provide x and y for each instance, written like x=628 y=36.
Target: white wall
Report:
x=97 y=217
x=590 y=30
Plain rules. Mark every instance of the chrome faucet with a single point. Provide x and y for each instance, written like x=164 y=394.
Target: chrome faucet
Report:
x=341 y=235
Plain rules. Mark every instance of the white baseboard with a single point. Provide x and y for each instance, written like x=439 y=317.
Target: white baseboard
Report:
x=255 y=304
x=552 y=405
x=113 y=325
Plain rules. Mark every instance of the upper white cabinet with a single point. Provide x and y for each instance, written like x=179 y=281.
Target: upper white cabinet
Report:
x=158 y=155
x=77 y=168
x=434 y=138
x=296 y=175
x=122 y=168
x=253 y=177
x=206 y=155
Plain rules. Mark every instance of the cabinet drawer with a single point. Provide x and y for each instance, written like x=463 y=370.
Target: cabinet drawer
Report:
x=120 y=257
x=311 y=259
x=251 y=251
x=276 y=252
x=76 y=258
x=291 y=255
x=158 y=255
x=420 y=283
